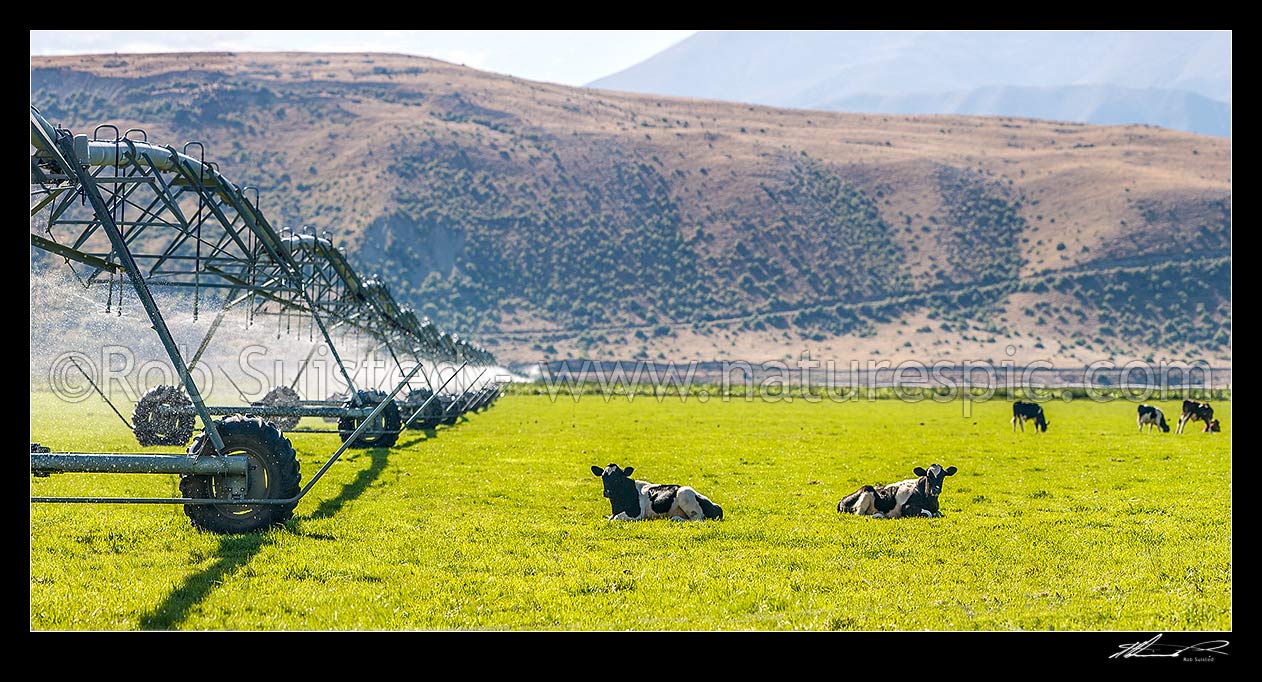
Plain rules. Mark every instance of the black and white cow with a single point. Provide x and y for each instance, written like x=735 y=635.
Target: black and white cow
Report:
x=912 y=497
x=1022 y=411
x=634 y=500
x=1194 y=411
x=1152 y=416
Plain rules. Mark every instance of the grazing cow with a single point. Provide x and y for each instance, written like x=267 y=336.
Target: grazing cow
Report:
x=1152 y=416
x=1195 y=411
x=912 y=497
x=1022 y=411
x=634 y=500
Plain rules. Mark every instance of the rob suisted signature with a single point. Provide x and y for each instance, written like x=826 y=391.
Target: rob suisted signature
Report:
x=1153 y=649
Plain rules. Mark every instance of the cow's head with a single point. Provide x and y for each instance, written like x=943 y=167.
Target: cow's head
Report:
x=933 y=478
x=619 y=488
x=1041 y=422
x=1214 y=426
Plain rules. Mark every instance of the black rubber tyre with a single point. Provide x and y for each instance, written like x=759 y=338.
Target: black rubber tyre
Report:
x=274 y=475
x=448 y=410
x=460 y=407
x=483 y=399
x=335 y=398
x=388 y=422
x=417 y=397
x=281 y=396
x=155 y=428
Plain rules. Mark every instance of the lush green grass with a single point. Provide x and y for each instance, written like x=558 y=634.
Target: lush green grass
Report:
x=498 y=523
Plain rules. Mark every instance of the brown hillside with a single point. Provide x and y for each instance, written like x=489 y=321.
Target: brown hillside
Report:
x=567 y=222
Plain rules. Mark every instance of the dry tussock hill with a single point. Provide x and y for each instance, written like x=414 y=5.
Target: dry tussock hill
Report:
x=555 y=221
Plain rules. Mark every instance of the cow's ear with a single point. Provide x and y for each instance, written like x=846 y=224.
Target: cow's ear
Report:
x=628 y=471
x=919 y=471
x=950 y=471
x=597 y=470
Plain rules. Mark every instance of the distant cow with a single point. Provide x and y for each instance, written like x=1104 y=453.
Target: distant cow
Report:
x=634 y=500
x=1022 y=411
x=912 y=497
x=1194 y=411
x=1152 y=416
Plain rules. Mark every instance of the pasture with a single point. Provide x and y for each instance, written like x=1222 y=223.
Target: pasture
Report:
x=498 y=523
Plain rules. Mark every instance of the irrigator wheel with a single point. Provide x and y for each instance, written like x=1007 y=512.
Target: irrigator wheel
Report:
x=274 y=475
x=451 y=410
x=458 y=409
x=418 y=396
x=388 y=421
x=155 y=428
x=335 y=398
x=282 y=396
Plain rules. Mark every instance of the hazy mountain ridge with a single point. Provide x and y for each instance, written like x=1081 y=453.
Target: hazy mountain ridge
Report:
x=1100 y=104
x=564 y=221
x=1176 y=79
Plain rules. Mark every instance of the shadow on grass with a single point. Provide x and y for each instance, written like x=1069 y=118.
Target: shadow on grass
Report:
x=236 y=550
x=350 y=491
x=430 y=432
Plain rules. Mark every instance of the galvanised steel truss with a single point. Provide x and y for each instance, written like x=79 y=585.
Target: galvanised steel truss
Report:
x=122 y=207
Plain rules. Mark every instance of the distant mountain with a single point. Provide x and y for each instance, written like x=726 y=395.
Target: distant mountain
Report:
x=916 y=69
x=1103 y=104
x=552 y=221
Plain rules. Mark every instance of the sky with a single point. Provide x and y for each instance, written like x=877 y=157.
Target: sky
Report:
x=566 y=57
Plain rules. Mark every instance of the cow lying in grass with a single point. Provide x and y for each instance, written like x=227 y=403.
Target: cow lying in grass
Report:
x=634 y=500
x=912 y=497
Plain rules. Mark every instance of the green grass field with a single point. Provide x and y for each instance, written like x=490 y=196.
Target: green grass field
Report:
x=498 y=523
